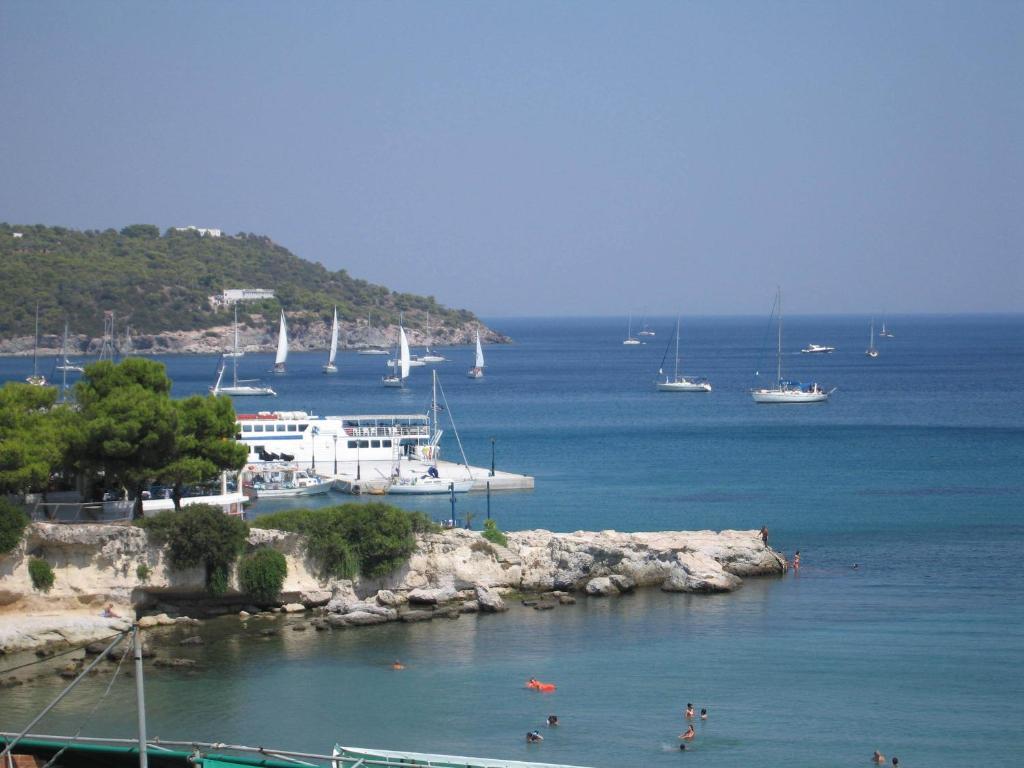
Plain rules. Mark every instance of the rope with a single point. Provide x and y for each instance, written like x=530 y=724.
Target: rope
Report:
x=57 y=655
x=92 y=712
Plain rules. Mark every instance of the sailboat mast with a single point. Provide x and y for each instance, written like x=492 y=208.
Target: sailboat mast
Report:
x=677 y=348
x=433 y=403
x=778 y=351
x=234 y=357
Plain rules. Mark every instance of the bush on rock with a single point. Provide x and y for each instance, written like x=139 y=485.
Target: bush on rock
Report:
x=41 y=574
x=261 y=574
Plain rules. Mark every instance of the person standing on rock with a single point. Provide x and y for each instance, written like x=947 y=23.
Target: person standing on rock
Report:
x=764 y=534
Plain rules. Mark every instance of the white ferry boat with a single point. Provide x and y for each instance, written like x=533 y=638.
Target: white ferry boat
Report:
x=308 y=441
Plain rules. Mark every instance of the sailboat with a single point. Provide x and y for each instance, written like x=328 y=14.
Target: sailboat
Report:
x=401 y=372
x=679 y=383
x=282 y=347
x=630 y=339
x=63 y=364
x=239 y=387
x=645 y=329
x=871 y=351
x=477 y=371
x=371 y=350
x=788 y=391
x=36 y=379
x=428 y=356
x=330 y=367
x=885 y=333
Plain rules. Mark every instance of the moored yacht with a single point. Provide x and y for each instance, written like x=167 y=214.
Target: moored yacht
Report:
x=785 y=391
x=817 y=349
x=678 y=383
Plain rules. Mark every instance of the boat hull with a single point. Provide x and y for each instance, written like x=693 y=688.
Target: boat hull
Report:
x=429 y=486
x=244 y=391
x=790 y=396
x=683 y=385
x=330 y=368
x=392 y=381
x=475 y=373
x=315 y=489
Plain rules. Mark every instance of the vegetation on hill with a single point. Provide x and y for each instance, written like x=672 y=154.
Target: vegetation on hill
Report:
x=162 y=282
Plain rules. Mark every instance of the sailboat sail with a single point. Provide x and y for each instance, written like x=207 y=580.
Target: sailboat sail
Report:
x=479 y=352
x=334 y=339
x=282 y=345
x=403 y=354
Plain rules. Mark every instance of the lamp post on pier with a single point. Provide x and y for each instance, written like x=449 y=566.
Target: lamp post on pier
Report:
x=335 y=436
x=316 y=432
x=359 y=474
x=492 y=457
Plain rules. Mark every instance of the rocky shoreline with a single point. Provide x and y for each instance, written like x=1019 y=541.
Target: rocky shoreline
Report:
x=450 y=574
x=304 y=335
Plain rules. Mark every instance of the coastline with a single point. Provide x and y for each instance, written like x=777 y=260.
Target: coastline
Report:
x=451 y=572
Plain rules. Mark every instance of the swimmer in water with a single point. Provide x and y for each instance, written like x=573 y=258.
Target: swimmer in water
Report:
x=703 y=714
x=533 y=736
x=552 y=721
x=396 y=665
x=796 y=561
x=878 y=758
x=682 y=747
x=690 y=733
x=689 y=711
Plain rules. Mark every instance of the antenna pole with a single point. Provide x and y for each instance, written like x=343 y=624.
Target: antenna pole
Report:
x=140 y=695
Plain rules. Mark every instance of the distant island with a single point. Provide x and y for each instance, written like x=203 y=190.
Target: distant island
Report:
x=176 y=291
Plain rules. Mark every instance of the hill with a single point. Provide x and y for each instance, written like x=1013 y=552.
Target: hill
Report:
x=160 y=283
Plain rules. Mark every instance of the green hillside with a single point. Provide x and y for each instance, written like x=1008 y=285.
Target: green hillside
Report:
x=162 y=282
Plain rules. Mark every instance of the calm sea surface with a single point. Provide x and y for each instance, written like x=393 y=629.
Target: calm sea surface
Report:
x=914 y=471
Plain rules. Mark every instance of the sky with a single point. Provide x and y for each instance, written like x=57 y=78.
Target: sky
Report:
x=546 y=158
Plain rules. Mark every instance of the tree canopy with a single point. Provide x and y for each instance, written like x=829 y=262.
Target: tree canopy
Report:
x=34 y=437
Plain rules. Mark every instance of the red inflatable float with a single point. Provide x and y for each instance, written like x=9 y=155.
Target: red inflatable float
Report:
x=537 y=685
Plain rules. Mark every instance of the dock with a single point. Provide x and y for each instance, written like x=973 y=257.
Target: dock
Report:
x=372 y=477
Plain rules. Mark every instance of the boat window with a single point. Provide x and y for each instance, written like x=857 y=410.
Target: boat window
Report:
x=364 y=443
x=292 y=428
x=281 y=427
x=351 y=443
x=302 y=427
x=257 y=427
x=386 y=443
x=247 y=427
x=375 y=443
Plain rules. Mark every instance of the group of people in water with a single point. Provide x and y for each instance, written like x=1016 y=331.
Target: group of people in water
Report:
x=879 y=759
x=690 y=733
x=534 y=736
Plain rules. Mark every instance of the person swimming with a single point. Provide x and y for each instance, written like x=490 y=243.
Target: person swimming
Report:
x=878 y=758
x=533 y=736
x=396 y=665
x=682 y=747
x=689 y=710
x=703 y=713
x=552 y=721
x=690 y=733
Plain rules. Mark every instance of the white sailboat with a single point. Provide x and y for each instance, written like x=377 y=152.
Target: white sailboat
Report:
x=788 y=391
x=677 y=383
x=371 y=350
x=330 y=367
x=477 y=371
x=428 y=356
x=645 y=329
x=397 y=379
x=871 y=351
x=238 y=387
x=885 y=333
x=282 y=347
x=630 y=339
x=63 y=364
x=36 y=379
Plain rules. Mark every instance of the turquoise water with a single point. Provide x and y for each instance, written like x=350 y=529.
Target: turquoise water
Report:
x=913 y=471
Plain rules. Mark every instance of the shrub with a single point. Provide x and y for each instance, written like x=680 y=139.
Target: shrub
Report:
x=261 y=574
x=201 y=534
x=142 y=571
x=12 y=526
x=41 y=574
x=372 y=539
x=493 y=534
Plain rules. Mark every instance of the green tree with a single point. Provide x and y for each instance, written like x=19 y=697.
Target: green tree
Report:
x=204 y=443
x=129 y=423
x=33 y=437
x=261 y=574
x=12 y=526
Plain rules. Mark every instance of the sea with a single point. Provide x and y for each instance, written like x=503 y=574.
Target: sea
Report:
x=903 y=630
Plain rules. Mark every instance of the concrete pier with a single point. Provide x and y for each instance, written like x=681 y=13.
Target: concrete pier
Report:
x=372 y=477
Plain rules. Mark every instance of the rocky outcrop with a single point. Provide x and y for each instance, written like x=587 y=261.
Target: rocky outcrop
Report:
x=450 y=573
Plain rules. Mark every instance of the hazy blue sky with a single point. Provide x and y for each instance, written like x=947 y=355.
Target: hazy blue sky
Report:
x=548 y=157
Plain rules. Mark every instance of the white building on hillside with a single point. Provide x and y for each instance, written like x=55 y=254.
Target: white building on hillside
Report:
x=234 y=295
x=203 y=231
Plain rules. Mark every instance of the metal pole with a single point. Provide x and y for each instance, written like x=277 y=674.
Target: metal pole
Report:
x=492 y=457
x=488 y=499
x=359 y=475
x=451 y=487
x=140 y=696
x=335 y=453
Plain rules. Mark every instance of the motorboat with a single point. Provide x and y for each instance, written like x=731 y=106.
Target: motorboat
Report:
x=784 y=391
x=279 y=481
x=677 y=382
x=817 y=349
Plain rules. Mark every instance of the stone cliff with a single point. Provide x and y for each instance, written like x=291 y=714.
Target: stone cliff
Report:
x=99 y=564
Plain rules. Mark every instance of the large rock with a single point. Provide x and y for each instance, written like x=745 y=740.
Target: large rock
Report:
x=363 y=618
x=414 y=615
x=293 y=608
x=434 y=596
x=602 y=586
x=489 y=601
x=694 y=573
